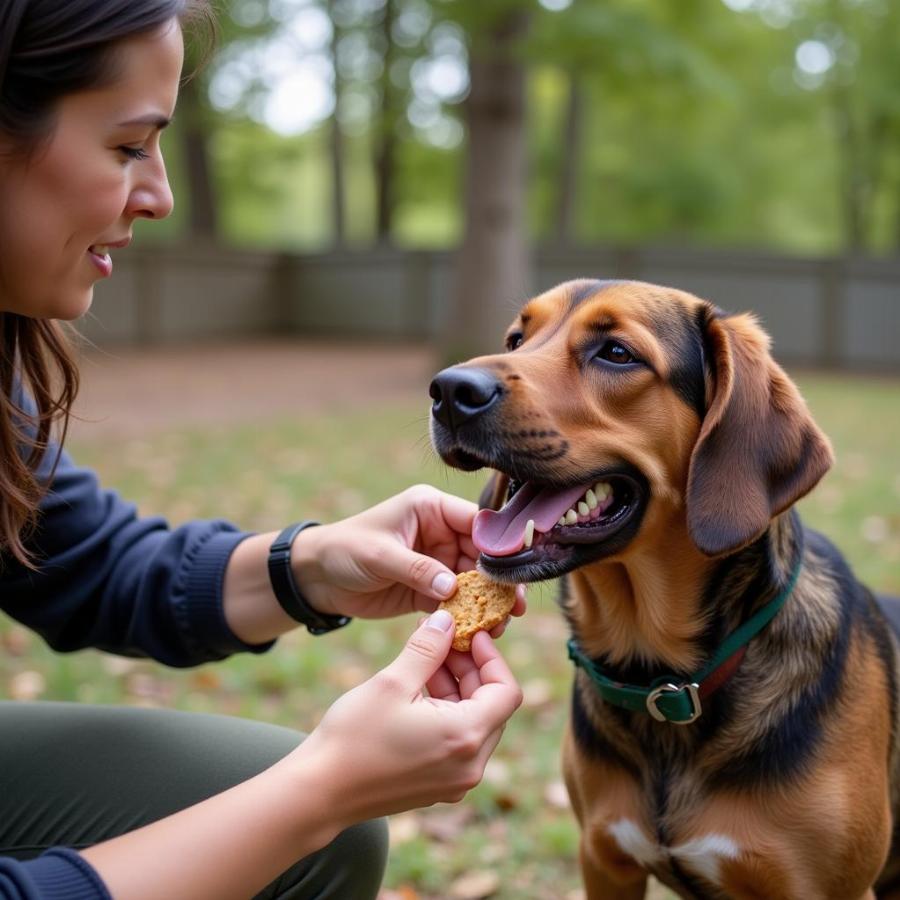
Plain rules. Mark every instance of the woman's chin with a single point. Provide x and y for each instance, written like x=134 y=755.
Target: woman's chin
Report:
x=74 y=306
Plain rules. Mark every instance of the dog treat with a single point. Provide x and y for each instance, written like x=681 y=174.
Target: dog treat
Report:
x=479 y=604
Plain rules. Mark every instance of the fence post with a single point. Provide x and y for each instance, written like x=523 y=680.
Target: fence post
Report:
x=832 y=278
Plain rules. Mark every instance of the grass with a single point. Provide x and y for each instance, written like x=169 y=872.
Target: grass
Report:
x=513 y=831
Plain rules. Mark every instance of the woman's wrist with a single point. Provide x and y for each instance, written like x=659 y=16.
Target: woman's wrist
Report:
x=307 y=553
x=308 y=773
x=248 y=602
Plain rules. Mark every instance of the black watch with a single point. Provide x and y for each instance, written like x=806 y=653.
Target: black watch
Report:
x=285 y=587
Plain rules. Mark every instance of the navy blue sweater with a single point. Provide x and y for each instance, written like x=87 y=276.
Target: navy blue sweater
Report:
x=110 y=579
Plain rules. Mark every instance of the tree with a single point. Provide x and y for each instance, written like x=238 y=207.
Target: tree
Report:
x=493 y=269
x=336 y=138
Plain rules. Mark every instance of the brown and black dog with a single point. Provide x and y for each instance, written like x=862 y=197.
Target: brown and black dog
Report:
x=647 y=447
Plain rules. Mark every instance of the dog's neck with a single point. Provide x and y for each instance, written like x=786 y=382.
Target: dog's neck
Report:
x=660 y=607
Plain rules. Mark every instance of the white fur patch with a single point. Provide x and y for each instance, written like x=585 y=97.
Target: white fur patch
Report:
x=701 y=855
x=632 y=841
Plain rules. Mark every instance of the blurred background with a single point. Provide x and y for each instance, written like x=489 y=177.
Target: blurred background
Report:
x=367 y=190
x=411 y=169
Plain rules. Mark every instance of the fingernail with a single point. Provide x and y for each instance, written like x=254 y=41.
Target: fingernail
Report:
x=440 y=620
x=443 y=583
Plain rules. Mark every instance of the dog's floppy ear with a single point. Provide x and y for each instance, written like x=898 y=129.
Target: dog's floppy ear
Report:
x=494 y=492
x=758 y=450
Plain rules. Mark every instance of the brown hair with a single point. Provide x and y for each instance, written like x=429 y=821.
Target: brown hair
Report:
x=49 y=50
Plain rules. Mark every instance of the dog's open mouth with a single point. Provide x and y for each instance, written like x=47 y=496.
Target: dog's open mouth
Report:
x=543 y=531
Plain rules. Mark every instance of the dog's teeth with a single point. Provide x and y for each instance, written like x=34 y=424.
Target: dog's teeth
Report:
x=562 y=520
x=529 y=532
x=591 y=499
x=571 y=517
x=583 y=509
x=602 y=490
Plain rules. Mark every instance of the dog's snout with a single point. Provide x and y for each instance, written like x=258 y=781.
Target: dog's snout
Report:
x=461 y=394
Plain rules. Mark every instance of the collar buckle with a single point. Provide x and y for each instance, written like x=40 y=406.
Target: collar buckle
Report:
x=668 y=689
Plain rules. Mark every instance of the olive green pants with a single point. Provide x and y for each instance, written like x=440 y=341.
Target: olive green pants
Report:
x=74 y=775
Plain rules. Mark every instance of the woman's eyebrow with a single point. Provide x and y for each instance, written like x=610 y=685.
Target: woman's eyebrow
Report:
x=157 y=121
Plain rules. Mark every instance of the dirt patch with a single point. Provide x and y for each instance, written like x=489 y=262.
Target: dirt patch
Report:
x=132 y=391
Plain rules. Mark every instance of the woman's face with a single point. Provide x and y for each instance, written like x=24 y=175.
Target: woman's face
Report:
x=76 y=197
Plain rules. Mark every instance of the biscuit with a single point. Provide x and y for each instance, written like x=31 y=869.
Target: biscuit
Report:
x=479 y=604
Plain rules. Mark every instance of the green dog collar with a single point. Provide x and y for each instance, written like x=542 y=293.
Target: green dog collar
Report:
x=669 y=699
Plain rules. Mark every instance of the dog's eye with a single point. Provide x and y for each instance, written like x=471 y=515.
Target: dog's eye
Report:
x=514 y=341
x=614 y=352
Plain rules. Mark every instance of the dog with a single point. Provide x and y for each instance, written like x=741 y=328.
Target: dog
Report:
x=734 y=718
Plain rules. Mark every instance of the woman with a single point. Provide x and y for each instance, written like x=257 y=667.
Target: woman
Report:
x=99 y=802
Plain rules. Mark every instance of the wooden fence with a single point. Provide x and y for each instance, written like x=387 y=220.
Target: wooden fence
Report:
x=832 y=312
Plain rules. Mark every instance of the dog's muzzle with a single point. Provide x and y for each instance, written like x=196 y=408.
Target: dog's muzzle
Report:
x=461 y=394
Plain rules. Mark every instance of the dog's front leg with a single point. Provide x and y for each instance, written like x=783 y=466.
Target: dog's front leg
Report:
x=605 y=801
x=625 y=882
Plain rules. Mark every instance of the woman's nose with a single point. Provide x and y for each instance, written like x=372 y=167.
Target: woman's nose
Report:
x=151 y=197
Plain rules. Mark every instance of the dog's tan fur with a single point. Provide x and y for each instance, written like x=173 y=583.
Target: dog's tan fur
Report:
x=800 y=822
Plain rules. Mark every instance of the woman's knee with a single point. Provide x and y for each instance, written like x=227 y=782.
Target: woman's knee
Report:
x=351 y=866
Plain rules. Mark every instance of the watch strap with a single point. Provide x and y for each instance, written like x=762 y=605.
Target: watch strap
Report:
x=287 y=592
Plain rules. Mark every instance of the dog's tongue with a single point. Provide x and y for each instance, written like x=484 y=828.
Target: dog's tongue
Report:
x=503 y=533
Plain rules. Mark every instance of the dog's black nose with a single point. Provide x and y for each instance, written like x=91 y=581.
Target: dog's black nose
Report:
x=461 y=394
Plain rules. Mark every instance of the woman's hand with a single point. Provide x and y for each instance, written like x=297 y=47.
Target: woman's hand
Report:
x=385 y=746
x=397 y=557
x=382 y=748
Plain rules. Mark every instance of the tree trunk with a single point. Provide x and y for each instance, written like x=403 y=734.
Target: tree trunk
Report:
x=851 y=172
x=493 y=270
x=569 y=162
x=336 y=144
x=203 y=211
x=385 y=142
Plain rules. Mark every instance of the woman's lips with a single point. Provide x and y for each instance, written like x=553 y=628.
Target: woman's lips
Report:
x=99 y=254
x=101 y=260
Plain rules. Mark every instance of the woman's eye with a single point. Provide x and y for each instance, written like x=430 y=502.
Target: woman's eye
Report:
x=514 y=341
x=614 y=352
x=134 y=152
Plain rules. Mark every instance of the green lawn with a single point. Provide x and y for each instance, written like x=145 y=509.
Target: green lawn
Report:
x=515 y=825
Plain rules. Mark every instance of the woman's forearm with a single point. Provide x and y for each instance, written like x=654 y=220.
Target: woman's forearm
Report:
x=229 y=846
x=251 y=610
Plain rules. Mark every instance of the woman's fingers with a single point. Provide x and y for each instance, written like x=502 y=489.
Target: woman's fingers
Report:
x=443 y=685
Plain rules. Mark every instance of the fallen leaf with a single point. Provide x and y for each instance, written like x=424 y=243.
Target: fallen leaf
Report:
x=556 y=795
x=475 y=885
x=496 y=772
x=447 y=824
x=206 y=680
x=404 y=828
x=16 y=641
x=149 y=690
x=119 y=666
x=27 y=685
x=404 y=892
x=536 y=693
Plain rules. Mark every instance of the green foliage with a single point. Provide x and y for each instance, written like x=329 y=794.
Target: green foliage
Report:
x=698 y=125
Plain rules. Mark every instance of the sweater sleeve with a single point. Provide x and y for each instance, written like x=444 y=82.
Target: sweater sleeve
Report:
x=58 y=874
x=110 y=579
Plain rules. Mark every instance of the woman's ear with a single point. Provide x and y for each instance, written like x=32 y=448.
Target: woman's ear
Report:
x=759 y=450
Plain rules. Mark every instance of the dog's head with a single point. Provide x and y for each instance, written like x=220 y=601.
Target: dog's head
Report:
x=621 y=407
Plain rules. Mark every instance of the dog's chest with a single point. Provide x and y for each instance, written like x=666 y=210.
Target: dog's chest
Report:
x=701 y=856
